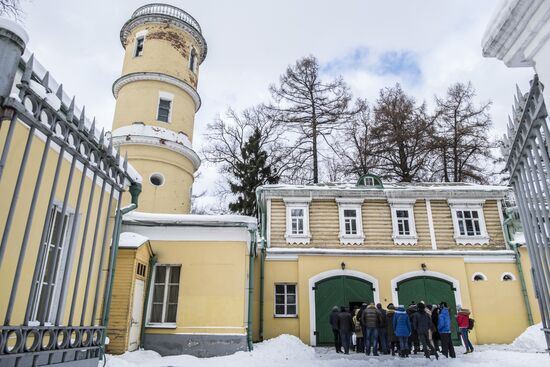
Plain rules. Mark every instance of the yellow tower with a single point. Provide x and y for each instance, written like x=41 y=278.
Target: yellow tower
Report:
x=156 y=102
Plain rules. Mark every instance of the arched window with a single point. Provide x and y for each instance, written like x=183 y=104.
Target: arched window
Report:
x=192 y=59
x=507 y=277
x=479 y=277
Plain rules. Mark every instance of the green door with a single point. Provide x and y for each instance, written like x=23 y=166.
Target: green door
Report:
x=431 y=291
x=337 y=291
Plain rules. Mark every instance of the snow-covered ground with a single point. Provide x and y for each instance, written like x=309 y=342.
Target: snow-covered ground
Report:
x=286 y=350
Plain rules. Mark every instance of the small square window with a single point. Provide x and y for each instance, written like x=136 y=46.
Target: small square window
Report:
x=285 y=300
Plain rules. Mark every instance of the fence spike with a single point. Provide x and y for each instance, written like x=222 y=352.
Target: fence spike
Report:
x=102 y=137
x=27 y=74
x=46 y=82
x=92 y=129
x=82 y=120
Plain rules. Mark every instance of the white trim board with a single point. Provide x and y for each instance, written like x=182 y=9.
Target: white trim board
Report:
x=190 y=233
x=428 y=273
x=495 y=254
x=329 y=274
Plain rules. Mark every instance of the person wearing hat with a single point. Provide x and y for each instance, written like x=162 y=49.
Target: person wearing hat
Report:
x=333 y=320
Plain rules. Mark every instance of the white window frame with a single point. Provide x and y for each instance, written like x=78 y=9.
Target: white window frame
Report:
x=286 y=314
x=165 y=298
x=350 y=204
x=297 y=203
x=61 y=264
x=469 y=205
x=139 y=35
x=167 y=97
x=405 y=205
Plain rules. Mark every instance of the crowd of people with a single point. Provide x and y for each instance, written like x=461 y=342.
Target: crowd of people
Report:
x=419 y=328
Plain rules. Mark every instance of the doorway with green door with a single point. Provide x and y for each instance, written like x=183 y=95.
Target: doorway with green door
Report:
x=342 y=291
x=430 y=290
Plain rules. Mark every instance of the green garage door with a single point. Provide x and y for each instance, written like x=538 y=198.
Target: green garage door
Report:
x=431 y=291
x=337 y=291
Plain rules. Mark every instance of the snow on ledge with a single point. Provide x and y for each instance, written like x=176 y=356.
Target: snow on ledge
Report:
x=191 y=219
x=131 y=240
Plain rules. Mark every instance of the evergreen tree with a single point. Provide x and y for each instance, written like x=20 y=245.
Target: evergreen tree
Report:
x=250 y=172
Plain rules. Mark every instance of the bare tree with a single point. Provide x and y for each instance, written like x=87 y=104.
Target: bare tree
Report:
x=310 y=106
x=11 y=8
x=462 y=136
x=401 y=136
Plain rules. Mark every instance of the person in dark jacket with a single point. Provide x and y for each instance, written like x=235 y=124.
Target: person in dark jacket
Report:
x=371 y=319
x=436 y=339
x=444 y=329
x=413 y=339
x=393 y=342
x=422 y=323
x=363 y=327
x=382 y=335
x=402 y=328
x=333 y=320
x=345 y=327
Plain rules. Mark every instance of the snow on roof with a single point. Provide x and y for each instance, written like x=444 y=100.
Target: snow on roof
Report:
x=131 y=240
x=14 y=27
x=519 y=238
x=153 y=131
x=191 y=220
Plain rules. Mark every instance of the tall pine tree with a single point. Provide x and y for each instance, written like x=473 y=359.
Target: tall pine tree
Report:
x=250 y=172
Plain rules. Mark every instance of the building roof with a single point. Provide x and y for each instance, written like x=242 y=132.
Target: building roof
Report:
x=160 y=219
x=131 y=240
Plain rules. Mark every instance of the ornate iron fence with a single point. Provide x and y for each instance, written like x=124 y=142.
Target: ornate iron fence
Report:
x=526 y=147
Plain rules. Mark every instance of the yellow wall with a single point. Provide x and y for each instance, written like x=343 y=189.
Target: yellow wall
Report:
x=7 y=185
x=212 y=285
x=496 y=306
x=174 y=196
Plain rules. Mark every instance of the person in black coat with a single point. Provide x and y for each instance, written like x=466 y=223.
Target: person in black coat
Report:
x=435 y=319
x=422 y=323
x=413 y=339
x=333 y=320
x=345 y=327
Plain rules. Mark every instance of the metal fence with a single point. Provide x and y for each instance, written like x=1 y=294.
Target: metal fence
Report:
x=45 y=336
x=526 y=146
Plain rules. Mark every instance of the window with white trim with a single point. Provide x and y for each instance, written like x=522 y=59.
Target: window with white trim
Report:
x=164 y=110
x=404 y=229
x=165 y=292
x=351 y=222
x=138 y=50
x=285 y=300
x=469 y=222
x=297 y=220
x=51 y=269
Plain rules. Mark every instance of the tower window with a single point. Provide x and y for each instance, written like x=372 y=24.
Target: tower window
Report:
x=192 y=60
x=157 y=179
x=164 y=110
x=139 y=46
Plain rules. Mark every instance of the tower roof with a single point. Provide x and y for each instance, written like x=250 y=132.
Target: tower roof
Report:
x=165 y=13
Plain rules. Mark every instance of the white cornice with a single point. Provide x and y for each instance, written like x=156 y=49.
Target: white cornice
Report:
x=160 y=77
x=517 y=32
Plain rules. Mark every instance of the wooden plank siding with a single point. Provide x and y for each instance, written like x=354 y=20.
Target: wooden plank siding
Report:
x=377 y=225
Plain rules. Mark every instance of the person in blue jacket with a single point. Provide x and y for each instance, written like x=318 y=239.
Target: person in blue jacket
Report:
x=444 y=328
x=402 y=327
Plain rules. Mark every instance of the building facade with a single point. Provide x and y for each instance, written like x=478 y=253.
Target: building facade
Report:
x=342 y=245
x=62 y=186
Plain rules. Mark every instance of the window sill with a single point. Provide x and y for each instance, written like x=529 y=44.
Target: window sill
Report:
x=472 y=240
x=161 y=326
x=352 y=240
x=405 y=240
x=297 y=239
x=285 y=316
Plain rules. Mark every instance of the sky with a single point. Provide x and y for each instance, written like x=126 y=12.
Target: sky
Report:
x=424 y=45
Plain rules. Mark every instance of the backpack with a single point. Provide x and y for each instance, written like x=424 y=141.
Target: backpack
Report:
x=471 y=324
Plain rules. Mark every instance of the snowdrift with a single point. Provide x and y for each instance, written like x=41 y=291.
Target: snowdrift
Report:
x=532 y=340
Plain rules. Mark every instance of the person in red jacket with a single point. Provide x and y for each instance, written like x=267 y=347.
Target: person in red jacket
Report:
x=463 y=320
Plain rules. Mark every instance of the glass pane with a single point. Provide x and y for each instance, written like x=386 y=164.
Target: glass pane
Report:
x=294 y=225
x=161 y=274
x=475 y=214
x=280 y=299
x=469 y=227
x=400 y=227
x=173 y=292
x=459 y=213
x=300 y=226
x=350 y=213
x=478 y=230
x=291 y=288
x=158 y=293
x=290 y=299
x=280 y=310
x=406 y=224
x=461 y=228
x=353 y=226
x=175 y=274
x=467 y=214
x=297 y=212
x=171 y=312
x=156 y=312
x=402 y=213
x=291 y=310
x=280 y=288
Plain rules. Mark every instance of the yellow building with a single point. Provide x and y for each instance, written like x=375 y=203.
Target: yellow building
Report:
x=181 y=284
x=342 y=245
x=61 y=186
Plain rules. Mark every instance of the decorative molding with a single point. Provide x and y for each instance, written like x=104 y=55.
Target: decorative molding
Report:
x=281 y=257
x=305 y=200
x=297 y=238
x=403 y=204
x=402 y=201
x=489 y=259
x=355 y=200
x=329 y=274
x=159 y=77
x=466 y=202
x=425 y=273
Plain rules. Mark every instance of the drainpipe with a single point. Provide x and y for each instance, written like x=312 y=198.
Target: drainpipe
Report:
x=135 y=190
x=152 y=262
x=263 y=233
x=251 y=287
x=515 y=247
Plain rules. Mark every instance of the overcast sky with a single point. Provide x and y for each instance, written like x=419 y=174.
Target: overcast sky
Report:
x=424 y=45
